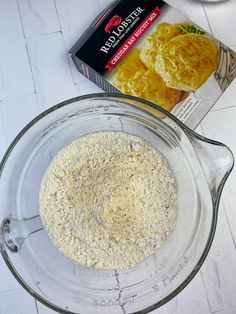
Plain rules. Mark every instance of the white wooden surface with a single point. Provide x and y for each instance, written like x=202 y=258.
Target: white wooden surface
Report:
x=36 y=73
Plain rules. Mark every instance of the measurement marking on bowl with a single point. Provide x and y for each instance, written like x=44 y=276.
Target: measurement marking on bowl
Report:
x=171 y=276
x=159 y=268
x=111 y=302
x=91 y=109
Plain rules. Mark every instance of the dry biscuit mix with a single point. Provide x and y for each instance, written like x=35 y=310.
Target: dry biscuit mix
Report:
x=186 y=61
x=108 y=200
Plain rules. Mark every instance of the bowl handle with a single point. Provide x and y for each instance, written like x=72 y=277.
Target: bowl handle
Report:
x=216 y=161
x=14 y=232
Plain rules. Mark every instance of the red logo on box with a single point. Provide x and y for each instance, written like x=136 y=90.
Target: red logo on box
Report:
x=133 y=38
x=114 y=21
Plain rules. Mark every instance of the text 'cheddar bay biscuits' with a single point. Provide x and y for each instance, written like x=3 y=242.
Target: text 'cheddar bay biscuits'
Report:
x=150 y=86
x=128 y=66
x=162 y=32
x=186 y=61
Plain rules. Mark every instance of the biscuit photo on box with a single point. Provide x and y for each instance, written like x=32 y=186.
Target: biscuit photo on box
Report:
x=128 y=66
x=150 y=86
x=186 y=61
x=175 y=59
x=162 y=32
x=131 y=77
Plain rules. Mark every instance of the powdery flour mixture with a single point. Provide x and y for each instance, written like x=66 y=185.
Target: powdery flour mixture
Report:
x=109 y=200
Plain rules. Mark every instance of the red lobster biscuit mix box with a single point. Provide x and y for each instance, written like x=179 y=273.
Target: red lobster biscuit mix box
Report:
x=150 y=50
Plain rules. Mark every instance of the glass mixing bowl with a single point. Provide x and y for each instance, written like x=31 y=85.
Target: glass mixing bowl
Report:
x=201 y=167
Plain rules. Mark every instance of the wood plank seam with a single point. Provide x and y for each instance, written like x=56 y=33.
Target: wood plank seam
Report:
x=63 y=38
x=208 y=22
x=31 y=70
x=227 y=219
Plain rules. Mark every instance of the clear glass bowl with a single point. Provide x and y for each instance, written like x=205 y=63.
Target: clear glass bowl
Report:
x=201 y=167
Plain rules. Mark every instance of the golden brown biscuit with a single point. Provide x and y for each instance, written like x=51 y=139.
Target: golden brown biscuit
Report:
x=125 y=88
x=162 y=32
x=150 y=86
x=166 y=31
x=129 y=65
x=186 y=61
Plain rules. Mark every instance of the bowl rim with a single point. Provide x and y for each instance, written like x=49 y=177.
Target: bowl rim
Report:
x=188 y=132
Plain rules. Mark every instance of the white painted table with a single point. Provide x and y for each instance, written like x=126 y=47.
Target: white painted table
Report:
x=36 y=73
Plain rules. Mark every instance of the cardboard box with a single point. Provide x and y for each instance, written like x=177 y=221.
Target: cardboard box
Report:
x=150 y=50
